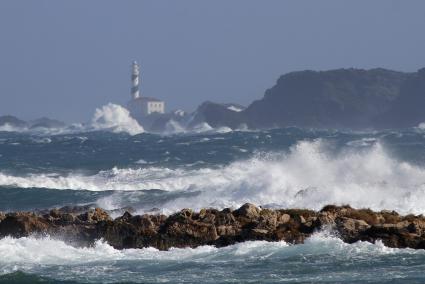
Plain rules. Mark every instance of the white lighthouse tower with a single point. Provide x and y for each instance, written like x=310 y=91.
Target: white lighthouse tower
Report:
x=142 y=106
x=135 y=78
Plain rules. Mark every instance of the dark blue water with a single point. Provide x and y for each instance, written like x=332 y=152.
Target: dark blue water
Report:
x=276 y=168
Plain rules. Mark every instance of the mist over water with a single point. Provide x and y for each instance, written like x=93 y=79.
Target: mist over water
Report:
x=283 y=168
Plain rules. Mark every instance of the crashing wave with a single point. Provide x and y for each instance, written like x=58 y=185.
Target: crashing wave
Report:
x=175 y=127
x=110 y=117
x=48 y=257
x=115 y=118
x=11 y=128
x=310 y=175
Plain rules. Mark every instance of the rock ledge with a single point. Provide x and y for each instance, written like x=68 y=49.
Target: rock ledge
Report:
x=216 y=227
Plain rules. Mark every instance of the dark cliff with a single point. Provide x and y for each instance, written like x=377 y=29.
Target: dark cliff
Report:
x=12 y=121
x=217 y=115
x=341 y=99
x=345 y=98
x=408 y=108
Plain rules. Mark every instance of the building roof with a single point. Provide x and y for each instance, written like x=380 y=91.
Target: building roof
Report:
x=149 y=99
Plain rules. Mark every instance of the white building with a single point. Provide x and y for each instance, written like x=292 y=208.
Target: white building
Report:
x=143 y=106
x=140 y=105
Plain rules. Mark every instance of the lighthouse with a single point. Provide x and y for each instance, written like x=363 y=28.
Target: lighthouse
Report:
x=135 y=73
x=139 y=106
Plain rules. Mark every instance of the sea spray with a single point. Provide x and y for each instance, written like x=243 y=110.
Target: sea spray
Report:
x=272 y=262
x=116 y=118
x=289 y=167
x=309 y=175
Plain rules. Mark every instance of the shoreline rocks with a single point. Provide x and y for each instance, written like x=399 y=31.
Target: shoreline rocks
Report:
x=186 y=228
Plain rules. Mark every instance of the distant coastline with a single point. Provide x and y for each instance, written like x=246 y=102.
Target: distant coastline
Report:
x=340 y=99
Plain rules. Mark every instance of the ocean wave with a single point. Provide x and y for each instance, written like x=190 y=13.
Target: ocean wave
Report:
x=44 y=131
x=11 y=128
x=309 y=175
x=115 y=118
x=174 y=127
x=48 y=257
x=110 y=117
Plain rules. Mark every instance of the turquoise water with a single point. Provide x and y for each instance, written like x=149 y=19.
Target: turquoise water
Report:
x=288 y=167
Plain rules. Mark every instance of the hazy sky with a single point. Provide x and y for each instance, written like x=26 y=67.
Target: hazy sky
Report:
x=63 y=59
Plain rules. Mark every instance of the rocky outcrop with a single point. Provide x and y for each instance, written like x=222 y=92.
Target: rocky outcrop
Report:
x=82 y=226
x=44 y=122
x=12 y=121
x=217 y=115
x=341 y=99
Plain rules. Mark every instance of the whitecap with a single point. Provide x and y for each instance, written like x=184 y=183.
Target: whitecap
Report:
x=116 y=118
x=311 y=175
x=58 y=260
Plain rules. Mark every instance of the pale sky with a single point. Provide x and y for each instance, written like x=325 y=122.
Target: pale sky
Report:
x=63 y=59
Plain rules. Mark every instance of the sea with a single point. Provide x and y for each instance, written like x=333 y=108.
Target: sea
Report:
x=289 y=167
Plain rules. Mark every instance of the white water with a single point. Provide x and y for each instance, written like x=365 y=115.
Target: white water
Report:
x=175 y=127
x=10 y=128
x=73 y=128
x=116 y=118
x=29 y=253
x=233 y=108
x=309 y=176
x=110 y=117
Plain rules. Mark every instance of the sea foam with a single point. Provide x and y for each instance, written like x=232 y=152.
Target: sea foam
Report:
x=116 y=118
x=110 y=117
x=50 y=251
x=309 y=175
x=55 y=259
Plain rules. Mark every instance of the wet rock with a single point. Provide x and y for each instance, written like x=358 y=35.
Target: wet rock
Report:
x=247 y=210
x=122 y=210
x=55 y=213
x=209 y=216
x=126 y=217
x=74 y=209
x=416 y=226
x=22 y=225
x=350 y=228
x=94 y=215
x=267 y=219
x=227 y=231
x=187 y=228
x=283 y=218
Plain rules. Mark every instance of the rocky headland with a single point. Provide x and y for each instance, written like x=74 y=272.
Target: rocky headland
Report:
x=344 y=99
x=81 y=226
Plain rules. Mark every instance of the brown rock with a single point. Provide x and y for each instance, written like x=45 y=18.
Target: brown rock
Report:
x=55 y=213
x=247 y=210
x=223 y=218
x=213 y=227
x=22 y=225
x=284 y=218
x=260 y=232
x=416 y=226
x=227 y=231
x=326 y=218
x=353 y=224
x=350 y=229
x=94 y=215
